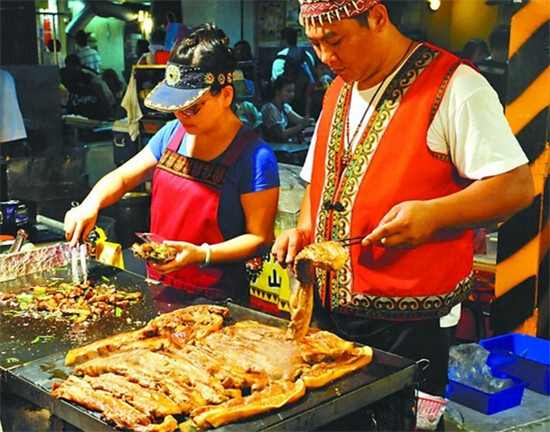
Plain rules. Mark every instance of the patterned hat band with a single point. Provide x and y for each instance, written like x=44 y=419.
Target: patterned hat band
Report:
x=319 y=11
x=186 y=77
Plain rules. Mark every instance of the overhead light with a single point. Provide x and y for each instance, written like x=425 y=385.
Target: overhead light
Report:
x=434 y=4
x=145 y=22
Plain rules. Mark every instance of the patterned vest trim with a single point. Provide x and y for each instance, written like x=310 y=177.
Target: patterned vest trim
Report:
x=423 y=282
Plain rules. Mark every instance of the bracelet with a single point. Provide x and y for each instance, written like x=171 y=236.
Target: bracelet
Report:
x=206 y=261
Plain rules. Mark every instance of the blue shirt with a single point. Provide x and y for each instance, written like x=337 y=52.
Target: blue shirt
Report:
x=255 y=170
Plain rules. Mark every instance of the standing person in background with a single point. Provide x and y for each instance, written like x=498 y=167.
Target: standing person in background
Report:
x=142 y=48
x=13 y=133
x=116 y=85
x=215 y=182
x=495 y=66
x=245 y=60
x=156 y=43
x=475 y=50
x=297 y=64
x=53 y=56
x=316 y=90
x=281 y=124
x=89 y=57
x=411 y=151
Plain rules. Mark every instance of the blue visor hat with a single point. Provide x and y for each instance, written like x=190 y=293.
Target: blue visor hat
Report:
x=183 y=86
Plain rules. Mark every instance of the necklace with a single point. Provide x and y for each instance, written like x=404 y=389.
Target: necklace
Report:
x=349 y=139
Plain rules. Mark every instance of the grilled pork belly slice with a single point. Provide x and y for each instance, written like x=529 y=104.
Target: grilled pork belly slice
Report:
x=136 y=365
x=328 y=255
x=153 y=403
x=276 y=395
x=320 y=374
x=251 y=346
x=169 y=424
x=321 y=345
x=301 y=305
x=112 y=408
x=201 y=319
x=190 y=323
x=103 y=347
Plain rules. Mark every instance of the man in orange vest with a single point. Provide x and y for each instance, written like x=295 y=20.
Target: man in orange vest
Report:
x=411 y=152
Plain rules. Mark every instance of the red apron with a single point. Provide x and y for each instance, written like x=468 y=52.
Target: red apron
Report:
x=184 y=207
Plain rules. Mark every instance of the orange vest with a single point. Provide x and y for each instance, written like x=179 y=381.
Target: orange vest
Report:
x=423 y=282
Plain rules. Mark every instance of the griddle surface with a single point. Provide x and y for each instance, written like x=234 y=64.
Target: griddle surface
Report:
x=385 y=375
x=18 y=335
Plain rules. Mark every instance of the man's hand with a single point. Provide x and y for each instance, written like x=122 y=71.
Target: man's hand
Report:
x=288 y=244
x=406 y=225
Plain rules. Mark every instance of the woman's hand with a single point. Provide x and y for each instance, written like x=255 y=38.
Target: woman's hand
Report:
x=188 y=254
x=79 y=222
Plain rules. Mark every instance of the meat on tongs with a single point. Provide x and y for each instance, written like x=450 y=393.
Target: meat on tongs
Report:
x=329 y=255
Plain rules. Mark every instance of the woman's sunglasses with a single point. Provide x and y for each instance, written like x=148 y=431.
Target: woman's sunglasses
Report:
x=194 y=109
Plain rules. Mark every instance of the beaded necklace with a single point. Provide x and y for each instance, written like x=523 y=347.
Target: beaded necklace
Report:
x=348 y=139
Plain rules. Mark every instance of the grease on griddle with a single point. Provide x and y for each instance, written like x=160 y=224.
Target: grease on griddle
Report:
x=55 y=372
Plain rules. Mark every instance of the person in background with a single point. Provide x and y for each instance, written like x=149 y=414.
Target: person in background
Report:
x=403 y=157
x=89 y=57
x=297 y=64
x=89 y=95
x=115 y=84
x=215 y=181
x=142 y=48
x=316 y=90
x=245 y=60
x=281 y=124
x=156 y=43
x=13 y=133
x=495 y=66
x=475 y=50
x=53 y=56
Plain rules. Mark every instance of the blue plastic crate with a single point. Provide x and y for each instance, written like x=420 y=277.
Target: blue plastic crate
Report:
x=487 y=403
x=521 y=356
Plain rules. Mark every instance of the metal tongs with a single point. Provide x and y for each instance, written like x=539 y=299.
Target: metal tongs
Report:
x=18 y=242
x=79 y=264
x=350 y=241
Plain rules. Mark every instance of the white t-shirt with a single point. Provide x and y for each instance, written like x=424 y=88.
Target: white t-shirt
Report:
x=470 y=126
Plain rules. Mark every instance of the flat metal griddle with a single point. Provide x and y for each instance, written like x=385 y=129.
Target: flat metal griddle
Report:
x=384 y=376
